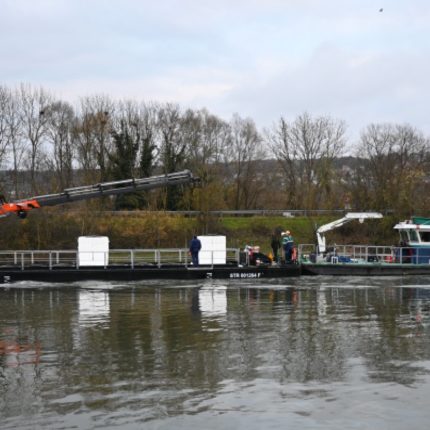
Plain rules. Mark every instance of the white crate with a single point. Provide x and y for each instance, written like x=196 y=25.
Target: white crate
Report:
x=93 y=250
x=214 y=250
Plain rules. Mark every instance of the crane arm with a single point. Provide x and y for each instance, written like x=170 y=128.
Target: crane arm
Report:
x=21 y=207
x=361 y=216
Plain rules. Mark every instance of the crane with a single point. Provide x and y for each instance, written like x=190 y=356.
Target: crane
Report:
x=361 y=216
x=22 y=207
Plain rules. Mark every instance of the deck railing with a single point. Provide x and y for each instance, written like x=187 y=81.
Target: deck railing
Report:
x=132 y=258
x=364 y=254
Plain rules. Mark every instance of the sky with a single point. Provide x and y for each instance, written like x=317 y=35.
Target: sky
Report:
x=262 y=59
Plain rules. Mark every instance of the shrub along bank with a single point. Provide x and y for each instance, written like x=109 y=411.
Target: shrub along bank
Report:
x=51 y=228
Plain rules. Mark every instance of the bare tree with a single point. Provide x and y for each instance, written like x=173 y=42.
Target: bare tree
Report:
x=93 y=136
x=82 y=135
x=33 y=103
x=412 y=167
x=245 y=149
x=393 y=168
x=15 y=143
x=208 y=138
x=306 y=150
x=281 y=141
x=5 y=100
x=61 y=118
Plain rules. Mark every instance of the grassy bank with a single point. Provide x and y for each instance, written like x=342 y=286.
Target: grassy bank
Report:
x=59 y=229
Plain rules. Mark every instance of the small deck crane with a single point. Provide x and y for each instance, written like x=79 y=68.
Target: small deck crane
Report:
x=361 y=216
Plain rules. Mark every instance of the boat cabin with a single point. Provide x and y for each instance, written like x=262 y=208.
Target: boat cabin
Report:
x=414 y=232
x=414 y=240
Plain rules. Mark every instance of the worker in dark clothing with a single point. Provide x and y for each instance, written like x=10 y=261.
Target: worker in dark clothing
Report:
x=275 y=244
x=195 y=247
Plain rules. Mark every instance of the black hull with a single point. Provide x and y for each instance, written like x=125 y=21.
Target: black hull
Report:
x=9 y=275
x=345 y=269
x=128 y=274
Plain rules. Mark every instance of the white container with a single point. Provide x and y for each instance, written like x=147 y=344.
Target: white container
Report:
x=214 y=250
x=93 y=251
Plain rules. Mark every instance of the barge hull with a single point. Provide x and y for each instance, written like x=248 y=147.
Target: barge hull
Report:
x=136 y=274
x=372 y=269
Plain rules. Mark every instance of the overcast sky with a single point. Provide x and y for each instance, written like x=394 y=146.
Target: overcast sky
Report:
x=260 y=58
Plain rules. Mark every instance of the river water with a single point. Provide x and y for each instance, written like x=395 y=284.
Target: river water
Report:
x=308 y=353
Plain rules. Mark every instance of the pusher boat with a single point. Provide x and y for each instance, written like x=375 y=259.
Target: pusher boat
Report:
x=411 y=257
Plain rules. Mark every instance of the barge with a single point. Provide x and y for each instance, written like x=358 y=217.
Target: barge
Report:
x=131 y=265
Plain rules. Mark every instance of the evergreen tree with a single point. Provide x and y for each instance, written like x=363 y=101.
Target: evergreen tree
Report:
x=123 y=162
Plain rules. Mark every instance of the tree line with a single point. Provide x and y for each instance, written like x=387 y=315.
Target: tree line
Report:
x=48 y=145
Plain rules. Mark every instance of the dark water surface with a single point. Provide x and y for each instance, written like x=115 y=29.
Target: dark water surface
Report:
x=318 y=353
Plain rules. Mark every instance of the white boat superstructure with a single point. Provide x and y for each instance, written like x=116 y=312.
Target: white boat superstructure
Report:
x=414 y=232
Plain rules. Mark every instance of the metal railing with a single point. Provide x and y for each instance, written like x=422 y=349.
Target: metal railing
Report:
x=364 y=254
x=131 y=258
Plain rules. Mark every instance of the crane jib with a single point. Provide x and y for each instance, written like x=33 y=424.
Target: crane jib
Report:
x=97 y=190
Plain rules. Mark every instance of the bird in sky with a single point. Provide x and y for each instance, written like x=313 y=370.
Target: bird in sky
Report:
x=381 y=10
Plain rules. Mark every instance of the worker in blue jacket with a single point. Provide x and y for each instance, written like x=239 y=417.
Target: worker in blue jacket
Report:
x=288 y=244
x=195 y=247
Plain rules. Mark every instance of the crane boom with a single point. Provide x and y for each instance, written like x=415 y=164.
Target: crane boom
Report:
x=361 y=216
x=21 y=207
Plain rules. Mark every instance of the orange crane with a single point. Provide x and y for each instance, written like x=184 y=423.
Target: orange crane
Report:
x=22 y=207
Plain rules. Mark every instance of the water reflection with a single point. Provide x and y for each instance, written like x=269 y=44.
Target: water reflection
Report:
x=94 y=306
x=213 y=300
x=15 y=352
x=144 y=354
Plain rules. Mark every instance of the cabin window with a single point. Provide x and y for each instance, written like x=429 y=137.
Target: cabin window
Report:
x=404 y=236
x=414 y=236
x=425 y=236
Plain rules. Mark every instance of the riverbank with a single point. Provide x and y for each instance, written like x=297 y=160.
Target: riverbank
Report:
x=59 y=229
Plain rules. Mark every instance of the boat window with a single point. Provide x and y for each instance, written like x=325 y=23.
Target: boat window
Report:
x=425 y=236
x=413 y=235
x=404 y=236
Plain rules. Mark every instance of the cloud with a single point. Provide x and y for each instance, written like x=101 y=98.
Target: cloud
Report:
x=359 y=89
x=261 y=59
